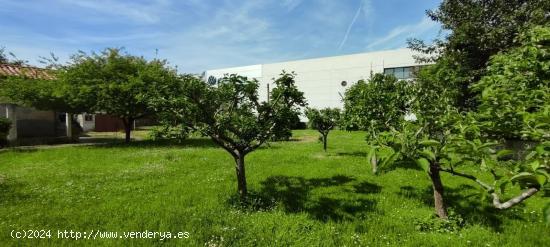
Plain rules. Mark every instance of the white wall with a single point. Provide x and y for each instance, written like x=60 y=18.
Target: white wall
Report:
x=320 y=78
x=86 y=125
x=252 y=71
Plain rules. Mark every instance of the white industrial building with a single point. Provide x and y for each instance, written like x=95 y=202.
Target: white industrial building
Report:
x=324 y=80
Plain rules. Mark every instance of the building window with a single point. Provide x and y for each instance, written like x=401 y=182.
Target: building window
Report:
x=401 y=72
x=88 y=117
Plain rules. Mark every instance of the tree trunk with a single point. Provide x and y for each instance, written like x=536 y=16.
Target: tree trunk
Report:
x=374 y=163
x=241 y=177
x=127 y=128
x=325 y=142
x=439 y=202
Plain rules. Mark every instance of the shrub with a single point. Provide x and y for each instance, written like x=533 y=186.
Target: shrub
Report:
x=432 y=223
x=167 y=132
x=284 y=126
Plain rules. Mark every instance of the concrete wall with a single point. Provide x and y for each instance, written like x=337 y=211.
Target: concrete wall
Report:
x=34 y=123
x=321 y=78
x=29 y=122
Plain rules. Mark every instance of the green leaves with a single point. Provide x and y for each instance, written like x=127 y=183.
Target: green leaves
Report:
x=509 y=99
x=116 y=83
x=525 y=176
x=229 y=112
x=290 y=100
x=379 y=104
x=323 y=120
x=534 y=165
x=515 y=92
x=428 y=154
x=541 y=179
x=424 y=164
x=543 y=149
x=504 y=153
x=37 y=93
x=430 y=143
x=477 y=30
x=533 y=171
x=527 y=179
x=501 y=184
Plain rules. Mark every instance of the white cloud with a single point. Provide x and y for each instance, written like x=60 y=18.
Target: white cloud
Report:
x=350 y=26
x=234 y=24
x=149 y=12
x=291 y=4
x=197 y=35
x=399 y=34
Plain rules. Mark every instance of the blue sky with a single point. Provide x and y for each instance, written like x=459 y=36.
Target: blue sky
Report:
x=197 y=35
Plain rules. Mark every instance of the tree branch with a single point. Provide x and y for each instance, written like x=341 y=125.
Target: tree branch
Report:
x=261 y=140
x=520 y=198
x=496 y=199
x=487 y=187
x=223 y=144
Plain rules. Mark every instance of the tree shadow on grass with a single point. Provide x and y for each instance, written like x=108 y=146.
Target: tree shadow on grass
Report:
x=20 y=150
x=198 y=142
x=331 y=209
x=353 y=154
x=292 y=139
x=269 y=145
x=465 y=200
x=394 y=166
x=294 y=195
x=11 y=191
x=191 y=142
x=407 y=165
x=367 y=188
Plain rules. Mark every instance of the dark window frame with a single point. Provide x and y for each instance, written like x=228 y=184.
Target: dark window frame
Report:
x=406 y=72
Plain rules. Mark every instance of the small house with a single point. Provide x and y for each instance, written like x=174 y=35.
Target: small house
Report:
x=29 y=125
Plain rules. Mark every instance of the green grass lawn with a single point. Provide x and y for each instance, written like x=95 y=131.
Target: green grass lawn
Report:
x=302 y=197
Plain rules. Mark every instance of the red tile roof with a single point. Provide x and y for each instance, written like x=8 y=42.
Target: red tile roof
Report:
x=25 y=71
